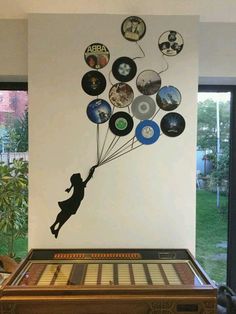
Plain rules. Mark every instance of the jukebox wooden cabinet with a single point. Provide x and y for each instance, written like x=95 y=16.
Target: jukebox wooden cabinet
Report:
x=105 y=281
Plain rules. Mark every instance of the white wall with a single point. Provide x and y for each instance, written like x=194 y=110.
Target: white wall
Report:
x=13 y=50
x=144 y=199
x=217 y=49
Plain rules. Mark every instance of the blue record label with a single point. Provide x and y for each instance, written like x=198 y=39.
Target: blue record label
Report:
x=147 y=132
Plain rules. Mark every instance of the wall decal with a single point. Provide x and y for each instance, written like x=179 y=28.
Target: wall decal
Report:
x=127 y=115
x=70 y=206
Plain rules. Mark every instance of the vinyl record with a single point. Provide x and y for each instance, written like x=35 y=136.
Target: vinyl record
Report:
x=143 y=107
x=171 y=43
x=99 y=111
x=121 y=95
x=172 y=124
x=133 y=28
x=124 y=69
x=93 y=83
x=148 y=82
x=97 y=56
x=121 y=123
x=168 y=98
x=147 y=132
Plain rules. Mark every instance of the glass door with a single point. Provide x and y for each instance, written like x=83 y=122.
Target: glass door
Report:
x=212 y=182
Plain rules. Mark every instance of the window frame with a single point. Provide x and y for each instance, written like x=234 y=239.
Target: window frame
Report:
x=231 y=249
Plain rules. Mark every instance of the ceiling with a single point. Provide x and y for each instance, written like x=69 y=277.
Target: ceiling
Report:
x=208 y=10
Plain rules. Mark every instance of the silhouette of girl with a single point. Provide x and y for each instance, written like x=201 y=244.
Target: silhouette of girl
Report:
x=70 y=206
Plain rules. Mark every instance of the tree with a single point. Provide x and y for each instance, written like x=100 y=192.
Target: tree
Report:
x=17 y=131
x=207 y=139
x=13 y=201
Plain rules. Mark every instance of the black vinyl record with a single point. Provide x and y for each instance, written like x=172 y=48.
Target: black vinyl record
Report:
x=133 y=28
x=93 y=83
x=172 y=124
x=171 y=43
x=124 y=69
x=97 y=56
x=121 y=123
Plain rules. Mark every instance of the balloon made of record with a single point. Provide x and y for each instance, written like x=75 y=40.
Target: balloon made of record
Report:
x=148 y=82
x=171 y=43
x=168 y=98
x=124 y=69
x=172 y=124
x=97 y=56
x=147 y=132
x=121 y=123
x=133 y=28
x=121 y=95
x=93 y=83
x=99 y=111
x=143 y=107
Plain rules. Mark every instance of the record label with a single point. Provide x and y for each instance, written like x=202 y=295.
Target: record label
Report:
x=148 y=82
x=143 y=107
x=99 y=111
x=171 y=43
x=147 y=132
x=168 y=98
x=172 y=124
x=93 y=83
x=121 y=123
x=133 y=28
x=124 y=69
x=121 y=95
x=97 y=56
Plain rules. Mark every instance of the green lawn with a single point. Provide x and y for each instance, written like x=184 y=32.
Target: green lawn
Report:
x=212 y=235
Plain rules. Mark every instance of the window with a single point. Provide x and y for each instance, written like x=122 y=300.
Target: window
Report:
x=216 y=221
x=13 y=169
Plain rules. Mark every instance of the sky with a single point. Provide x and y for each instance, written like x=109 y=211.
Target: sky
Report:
x=215 y=96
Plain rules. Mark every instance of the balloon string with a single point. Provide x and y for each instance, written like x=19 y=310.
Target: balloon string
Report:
x=122 y=148
x=167 y=65
x=110 y=148
x=104 y=142
x=97 y=143
x=109 y=76
x=140 y=57
x=111 y=159
x=155 y=113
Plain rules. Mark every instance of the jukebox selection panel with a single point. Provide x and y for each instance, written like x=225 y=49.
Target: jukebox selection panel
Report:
x=111 y=273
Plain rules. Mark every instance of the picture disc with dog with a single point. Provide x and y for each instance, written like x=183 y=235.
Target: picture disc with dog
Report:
x=143 y=107
x=121 y=123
